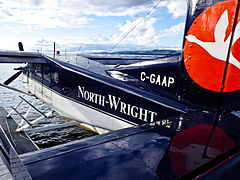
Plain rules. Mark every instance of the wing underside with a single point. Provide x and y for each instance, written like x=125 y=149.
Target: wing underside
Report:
x=21 y=57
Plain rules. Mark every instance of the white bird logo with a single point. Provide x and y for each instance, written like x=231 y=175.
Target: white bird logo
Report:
x=219 y=48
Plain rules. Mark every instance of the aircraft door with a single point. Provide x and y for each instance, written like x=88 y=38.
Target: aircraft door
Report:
x=26 y=71
x=36 y=82
x=46 y=83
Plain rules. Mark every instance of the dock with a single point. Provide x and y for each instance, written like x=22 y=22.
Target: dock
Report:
x=20 y=140
x=4 y=172
x=11 y=145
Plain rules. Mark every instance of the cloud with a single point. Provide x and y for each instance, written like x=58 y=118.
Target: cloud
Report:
x=65 y=13
x=176 y=7
x=106 y=8
x=80 y=7
x=144 y=36
x=43 y=14
x=31 y=15
x=173 y=31
x=43 y=17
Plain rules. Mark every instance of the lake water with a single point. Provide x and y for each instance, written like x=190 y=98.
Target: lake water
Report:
x=9 y=98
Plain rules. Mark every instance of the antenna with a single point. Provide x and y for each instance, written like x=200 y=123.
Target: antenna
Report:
x=41 y=46
x=79 y=49
x=66 y=53
x=54 y=50
x=78 y=52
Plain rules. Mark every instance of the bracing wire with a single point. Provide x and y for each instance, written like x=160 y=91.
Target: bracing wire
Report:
x=135 y=26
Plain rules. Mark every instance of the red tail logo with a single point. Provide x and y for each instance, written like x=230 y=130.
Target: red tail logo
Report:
x=207 y=45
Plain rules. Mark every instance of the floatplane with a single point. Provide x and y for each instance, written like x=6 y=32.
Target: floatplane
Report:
x=84 y=89
x=185 y=106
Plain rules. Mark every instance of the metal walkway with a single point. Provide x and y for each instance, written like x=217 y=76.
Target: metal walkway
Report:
x=4 y=172
x=20 y=140
x=12 y=144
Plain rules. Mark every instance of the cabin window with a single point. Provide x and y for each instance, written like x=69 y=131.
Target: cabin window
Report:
x=56 y=77
x=31 y=69
x=37 y=70
x=46 y=73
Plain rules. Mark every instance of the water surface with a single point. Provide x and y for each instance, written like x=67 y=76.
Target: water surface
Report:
x=9 y=98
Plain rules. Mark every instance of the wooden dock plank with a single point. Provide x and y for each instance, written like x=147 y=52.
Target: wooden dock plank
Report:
x=4 y=172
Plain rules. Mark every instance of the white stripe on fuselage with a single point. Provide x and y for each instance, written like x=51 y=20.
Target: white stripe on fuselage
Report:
x=76 y=111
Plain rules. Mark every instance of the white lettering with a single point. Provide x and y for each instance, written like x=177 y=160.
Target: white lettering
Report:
x=117 y=104
x=156 y=79
x=86 y=95
x=152 y=115
x=152 y=78
x=129 y=109
x=91 y=97
x=134 y=113
x=164 y=82
x=101 y=100
x=113 y=102
x=123 y=108
x=81 y=90
x=170 y=81
x=141 y=114
x=96 y=98
x=143 y=75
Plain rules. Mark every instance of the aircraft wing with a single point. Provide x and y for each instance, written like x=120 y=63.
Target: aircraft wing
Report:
x=118 y=57
x=115 y=156
x=21 y=57
x=110 y=59
x=149 y=151
x=124 y=59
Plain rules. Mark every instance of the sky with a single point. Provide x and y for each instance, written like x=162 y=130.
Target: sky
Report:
x=91 y=25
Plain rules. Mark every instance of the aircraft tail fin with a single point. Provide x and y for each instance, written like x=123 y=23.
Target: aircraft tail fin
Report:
x=210 y=65
x=206 y=73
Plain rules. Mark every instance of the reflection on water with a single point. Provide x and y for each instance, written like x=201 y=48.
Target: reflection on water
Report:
x=9 y=98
